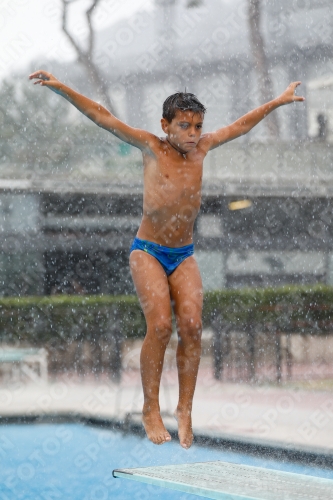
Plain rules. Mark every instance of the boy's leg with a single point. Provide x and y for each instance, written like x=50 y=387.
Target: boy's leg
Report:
x=186 y=292
x=152 y=287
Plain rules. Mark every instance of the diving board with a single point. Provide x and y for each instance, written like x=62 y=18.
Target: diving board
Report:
x=228 y=481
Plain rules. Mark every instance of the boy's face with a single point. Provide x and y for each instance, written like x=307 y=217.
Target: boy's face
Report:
x=184 y=130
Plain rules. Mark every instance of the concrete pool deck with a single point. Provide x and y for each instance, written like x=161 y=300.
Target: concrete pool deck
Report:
x=291 y=418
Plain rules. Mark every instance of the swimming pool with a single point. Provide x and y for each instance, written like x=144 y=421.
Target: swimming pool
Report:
x=75 y=462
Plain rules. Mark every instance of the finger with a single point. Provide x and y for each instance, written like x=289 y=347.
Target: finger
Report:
x=42 y=71
x=34 y=75
x=292 y=86
x=299 y=98
x=40 y=74
x=41 y=82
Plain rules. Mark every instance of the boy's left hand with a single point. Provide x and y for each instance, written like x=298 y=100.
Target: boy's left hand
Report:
x=289 y=96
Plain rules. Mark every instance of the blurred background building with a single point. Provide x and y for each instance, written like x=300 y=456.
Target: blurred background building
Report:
x=69 y=215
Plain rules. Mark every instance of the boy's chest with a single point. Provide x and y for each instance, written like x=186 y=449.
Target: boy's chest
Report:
x=175 y=183
x=170 y=173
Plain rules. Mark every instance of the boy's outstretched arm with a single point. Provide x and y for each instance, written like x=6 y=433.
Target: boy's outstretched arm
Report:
x=244 y=124
x=95 y=111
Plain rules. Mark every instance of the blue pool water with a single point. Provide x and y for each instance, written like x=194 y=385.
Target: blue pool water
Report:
x=75 y=462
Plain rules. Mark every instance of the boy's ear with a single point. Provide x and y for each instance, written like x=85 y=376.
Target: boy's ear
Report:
x=164 y=125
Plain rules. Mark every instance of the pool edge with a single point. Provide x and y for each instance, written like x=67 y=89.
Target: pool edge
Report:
x=310 y=456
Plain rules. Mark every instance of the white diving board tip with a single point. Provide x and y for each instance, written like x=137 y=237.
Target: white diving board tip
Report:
x=228 y=481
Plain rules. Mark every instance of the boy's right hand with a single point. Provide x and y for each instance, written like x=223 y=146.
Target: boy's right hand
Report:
x=97 y=113
x=45 y=78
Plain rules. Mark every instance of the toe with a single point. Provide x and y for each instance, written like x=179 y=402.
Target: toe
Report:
x=186 y=444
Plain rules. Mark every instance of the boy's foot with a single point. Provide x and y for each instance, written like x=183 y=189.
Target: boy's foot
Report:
x=185 y=433
x=154 y=427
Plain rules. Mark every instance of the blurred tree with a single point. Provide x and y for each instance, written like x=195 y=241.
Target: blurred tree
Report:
x=194 y=3
x=85 y=56
x=39 y=134
x=261 y=63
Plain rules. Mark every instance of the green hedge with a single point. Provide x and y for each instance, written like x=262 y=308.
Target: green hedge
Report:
x=292 y=308
x=65 y=318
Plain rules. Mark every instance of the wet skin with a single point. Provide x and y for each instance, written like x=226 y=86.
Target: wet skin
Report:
x=172 y=182
x=172 y=197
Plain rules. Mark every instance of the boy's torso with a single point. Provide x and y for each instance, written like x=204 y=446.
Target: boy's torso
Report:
x=172 y=194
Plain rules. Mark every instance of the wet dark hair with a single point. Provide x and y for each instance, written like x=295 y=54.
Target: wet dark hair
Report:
x=184 y=101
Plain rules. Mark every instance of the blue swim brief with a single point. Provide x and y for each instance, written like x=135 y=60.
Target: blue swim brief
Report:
x=169 y=258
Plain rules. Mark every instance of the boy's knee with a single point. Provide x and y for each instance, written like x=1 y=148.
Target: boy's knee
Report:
x=163 y=330
x=190 y=329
